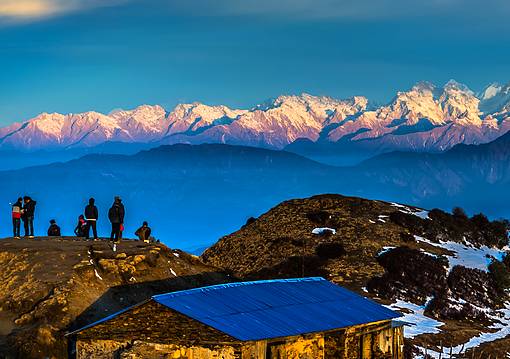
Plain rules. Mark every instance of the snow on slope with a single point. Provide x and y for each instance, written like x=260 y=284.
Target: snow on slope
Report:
x=413 y=314
x=467 y=255
x=499 y=330
x=426 y=118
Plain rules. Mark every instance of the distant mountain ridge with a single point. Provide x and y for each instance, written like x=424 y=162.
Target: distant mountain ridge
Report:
x=424 y=118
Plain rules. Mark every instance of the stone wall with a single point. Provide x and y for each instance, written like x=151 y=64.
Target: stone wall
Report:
x=375 y=341
x=109 y=349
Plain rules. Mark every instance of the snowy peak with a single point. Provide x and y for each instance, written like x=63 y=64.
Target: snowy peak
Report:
x=460 y=105
x=425 y=117
x=490 y=91
x=495 y=98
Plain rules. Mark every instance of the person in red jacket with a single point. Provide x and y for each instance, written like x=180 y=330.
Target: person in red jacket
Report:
x=16 y=217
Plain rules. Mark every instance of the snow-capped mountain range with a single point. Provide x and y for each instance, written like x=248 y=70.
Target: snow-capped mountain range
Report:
x=424 y=118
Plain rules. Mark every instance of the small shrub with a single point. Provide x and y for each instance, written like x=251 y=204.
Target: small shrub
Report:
x=506 y=261
x=330 y=250
x=459 y=213
x=249 y=221
x=480 y=220
x=318 y=217
x=500 y=274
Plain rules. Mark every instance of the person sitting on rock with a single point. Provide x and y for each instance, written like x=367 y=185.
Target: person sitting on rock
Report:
x=54 y=230
x=81 y=226
x=144 y=232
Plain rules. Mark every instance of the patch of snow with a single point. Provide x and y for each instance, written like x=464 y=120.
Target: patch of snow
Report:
x=381 y=218
x=429 y=254
x=423 y=214
x=97 y=274
x=176 y=254
x=385 y=249
x=502 y=328
x=322 y=230
x=371 y=221
x=467 y=255
x=173 y=272
x=413 y=314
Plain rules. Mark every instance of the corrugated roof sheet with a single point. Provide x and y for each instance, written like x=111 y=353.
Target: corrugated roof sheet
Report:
x=275 y=308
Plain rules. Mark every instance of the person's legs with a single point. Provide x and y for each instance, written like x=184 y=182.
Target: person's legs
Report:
x=25 y=226
x=18 y=227
x=14 y=227
x=94 y=228
x=31 y=224
x=115 y=231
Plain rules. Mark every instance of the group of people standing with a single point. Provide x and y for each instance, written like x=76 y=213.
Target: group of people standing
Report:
x=24 y=210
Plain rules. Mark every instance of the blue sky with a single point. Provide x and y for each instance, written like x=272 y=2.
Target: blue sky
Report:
x=77 y=55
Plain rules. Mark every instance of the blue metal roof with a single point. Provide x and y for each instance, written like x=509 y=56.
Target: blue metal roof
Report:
x=275 y=308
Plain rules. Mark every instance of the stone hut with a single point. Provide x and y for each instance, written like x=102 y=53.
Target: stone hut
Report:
x=291 y=318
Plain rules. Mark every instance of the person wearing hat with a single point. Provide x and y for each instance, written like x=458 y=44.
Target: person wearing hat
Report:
x=116 y=217
x=144 y=232
x=54 y=230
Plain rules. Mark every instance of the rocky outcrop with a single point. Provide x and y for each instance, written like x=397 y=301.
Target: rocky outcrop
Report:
x=49 y=286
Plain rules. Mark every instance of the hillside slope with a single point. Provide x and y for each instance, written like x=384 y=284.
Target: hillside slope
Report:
x=414 y=260
x=50 y=286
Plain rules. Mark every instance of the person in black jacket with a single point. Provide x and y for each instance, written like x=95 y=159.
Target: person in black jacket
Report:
x=116 y=217
x=28 y=216
x=54 y=230
x=91 y=216
x=144 y=232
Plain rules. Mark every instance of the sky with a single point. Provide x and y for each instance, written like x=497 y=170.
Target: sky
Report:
x=79 y=55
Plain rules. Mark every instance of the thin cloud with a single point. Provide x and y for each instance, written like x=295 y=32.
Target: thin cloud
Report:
x=25 y=10
x=28 y=8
